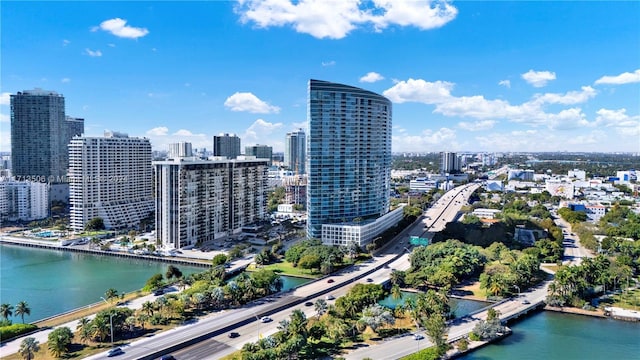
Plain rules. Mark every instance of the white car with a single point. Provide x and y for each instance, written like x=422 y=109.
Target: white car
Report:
x=330 y=297
x=265 y=319
x=418 y=337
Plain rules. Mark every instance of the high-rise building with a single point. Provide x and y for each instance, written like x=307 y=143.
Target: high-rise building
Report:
x=110 y=177
x=74 y=127
x=200 y=200
x=450 y=163
x=39 y=135
x=227 y=145
x=295 y=151
x=259 y=151
x=181 y=149
x=348 y=164
x=23 y=200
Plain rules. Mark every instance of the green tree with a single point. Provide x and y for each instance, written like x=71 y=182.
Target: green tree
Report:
x=309 y=262
x=22 y=309
x=154 y=282
x=28 y=348
x=111 y=294
x=173 y=273
x=59 y=341
x=6 y=310
x=436 y=329
x=94 y=224
x=219 y=259
x=84 y=329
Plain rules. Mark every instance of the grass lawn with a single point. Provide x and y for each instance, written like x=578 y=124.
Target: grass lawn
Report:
x=627 y=300
x=286 y=268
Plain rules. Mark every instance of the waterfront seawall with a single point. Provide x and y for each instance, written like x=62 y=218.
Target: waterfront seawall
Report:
x=41 y=245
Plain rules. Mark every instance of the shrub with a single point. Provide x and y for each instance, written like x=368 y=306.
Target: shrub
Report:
x=431 y=353
x=15 y=330
x=463 y=344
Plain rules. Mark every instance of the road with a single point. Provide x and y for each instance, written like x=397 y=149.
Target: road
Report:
x=573 y=249
x=397 y=348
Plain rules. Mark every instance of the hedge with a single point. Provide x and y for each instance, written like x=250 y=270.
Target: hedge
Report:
x=15 y=330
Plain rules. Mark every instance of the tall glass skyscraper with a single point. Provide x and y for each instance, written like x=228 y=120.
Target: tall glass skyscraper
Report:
x=295 y=150
x=348 y=156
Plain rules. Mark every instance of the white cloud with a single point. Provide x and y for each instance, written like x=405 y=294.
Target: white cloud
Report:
x=183 y=132
x=111 y=45
x=92 y=53
x=259 y=131
x=624 y=78
x=571 y=97
x=65 y=80
x=505 y=83
x=419 y=91
x=65 y=42
x=625 y=125
x=119 y=28
x=538 y=78
x=5 y=98
x=158 y=131
x=428 y=140
x=246 y=101
x=477 y=125
x=371 y=77
x=335 y=19
x=328 y=63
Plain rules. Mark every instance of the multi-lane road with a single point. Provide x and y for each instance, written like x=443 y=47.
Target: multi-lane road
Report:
x=208 y=338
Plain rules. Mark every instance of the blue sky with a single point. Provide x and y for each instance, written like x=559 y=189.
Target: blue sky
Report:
x=463 y=76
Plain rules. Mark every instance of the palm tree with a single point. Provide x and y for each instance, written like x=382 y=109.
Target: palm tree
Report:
x=396 y=293
x=148 y=307
x=111 y=294
x=321 y=307
x=28 y=347
x=22 y=309
x=6 y=310
x=84 y=328
x=99 y=328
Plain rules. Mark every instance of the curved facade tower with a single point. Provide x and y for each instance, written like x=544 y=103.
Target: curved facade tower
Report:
x=348 y=155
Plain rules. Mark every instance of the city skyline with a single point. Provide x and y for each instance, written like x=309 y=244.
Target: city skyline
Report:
x=473 y=76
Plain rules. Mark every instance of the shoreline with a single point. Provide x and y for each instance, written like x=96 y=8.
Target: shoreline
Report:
x=8 y=240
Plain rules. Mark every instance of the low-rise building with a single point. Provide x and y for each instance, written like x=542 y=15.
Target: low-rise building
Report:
x=360 y=233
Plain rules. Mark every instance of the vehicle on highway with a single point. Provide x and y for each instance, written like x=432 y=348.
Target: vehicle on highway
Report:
x=330 y=297
x=526 y=302
x=168 y=357
x=265 y=319
x=330 y=281
x=369 y=280
x=114 y=352
x=308 y=303
x=418 y=337
x=233 y=334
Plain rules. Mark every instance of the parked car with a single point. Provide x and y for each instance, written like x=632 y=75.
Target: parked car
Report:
x=114 y=352
x=233 y=334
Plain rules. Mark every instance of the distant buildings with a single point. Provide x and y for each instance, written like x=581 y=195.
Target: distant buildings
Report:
x=259 y=151
x=295 y=151
x=110 y=177
x=518 y=174
x=40 y=133
x=227 y=145
x=23 y=200
x=449 y=163
x=201 y=200
x=348 y=164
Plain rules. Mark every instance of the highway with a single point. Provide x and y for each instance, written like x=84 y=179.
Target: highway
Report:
x=208 y=337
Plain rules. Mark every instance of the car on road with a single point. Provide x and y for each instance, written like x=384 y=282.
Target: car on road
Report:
x=114 y=352
x=233 y=334
x=418 y=336
x=330 y=281
x=330 y=297
x=369 y=280
x=526 y=302
x=308 y=303
x=168 y=357
x=266 y=319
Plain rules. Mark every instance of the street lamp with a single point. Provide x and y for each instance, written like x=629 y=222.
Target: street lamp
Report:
x=517 y=287
x=110 y=319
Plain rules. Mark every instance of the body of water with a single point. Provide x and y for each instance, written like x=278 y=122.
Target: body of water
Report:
x=554 y=336
x=56 y=281
x=459 y=307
